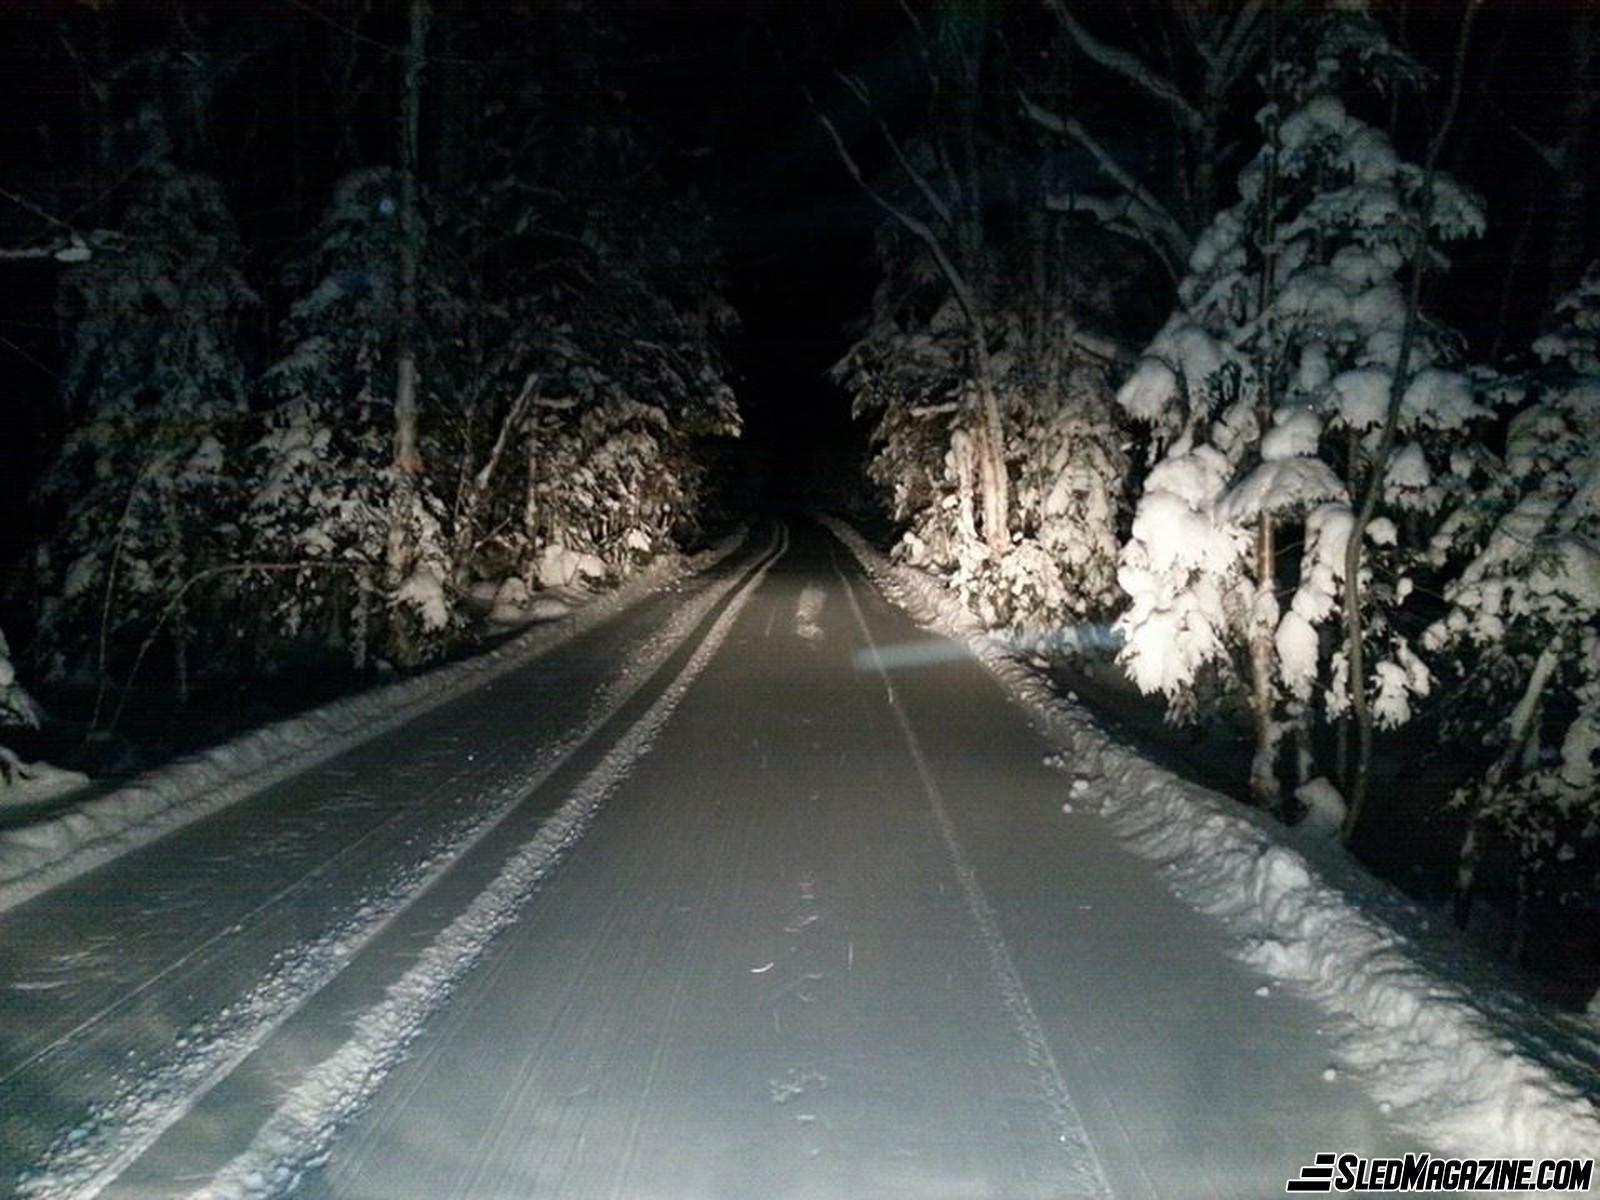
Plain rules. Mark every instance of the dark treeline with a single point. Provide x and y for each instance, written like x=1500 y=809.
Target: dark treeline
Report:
x=355 y=309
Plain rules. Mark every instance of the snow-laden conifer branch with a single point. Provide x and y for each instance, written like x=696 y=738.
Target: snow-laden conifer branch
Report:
x=70 y=245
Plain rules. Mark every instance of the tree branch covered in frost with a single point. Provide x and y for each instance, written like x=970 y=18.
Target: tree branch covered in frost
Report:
x=1145 y=214
x=1128 y=66
x=1208 y=55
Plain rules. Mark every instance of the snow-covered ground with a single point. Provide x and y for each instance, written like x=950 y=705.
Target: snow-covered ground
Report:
x=1459 y=1060
x=217 y=938
x=40 y=855
x=757 y=889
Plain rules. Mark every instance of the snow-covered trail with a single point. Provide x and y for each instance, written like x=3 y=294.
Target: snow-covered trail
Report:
x=129 y=991
x=827 y=932
x=832 y=936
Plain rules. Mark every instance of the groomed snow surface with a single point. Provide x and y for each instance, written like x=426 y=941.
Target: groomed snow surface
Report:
x=140 y=1106
x=1460 y=1062
x=301 y=1131
x=40 y=855
x=827 y=923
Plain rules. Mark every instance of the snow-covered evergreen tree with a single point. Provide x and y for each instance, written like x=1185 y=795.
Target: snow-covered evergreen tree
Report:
x=17 y=711
x=569 y=376
x=1264 y=394
x=323 y=472
x=1523 y=629
x=154 y=389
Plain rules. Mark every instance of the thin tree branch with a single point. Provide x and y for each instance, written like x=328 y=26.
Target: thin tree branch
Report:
x=1553 y=157
x=1162 y=219
x=1237 y=51
x=1128 y=66
x=911 y=223
x=935 y=201
x=519 y=409
x=200 y=577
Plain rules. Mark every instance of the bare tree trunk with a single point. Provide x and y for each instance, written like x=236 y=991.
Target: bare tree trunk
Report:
x=476 y=493
x=1508 y=286
x=1522 y=727
x=1305 y=759
x=961 y=449
x=971 y=242
x=1341 y=752
x=1518 y=950
x=180 y=614
x=298 y=138
x=992 y=476
x=401 y=550
x=1355 y=633
x=361 y=623
x=1262 y=642
x=530 y=499
x=1264 y=789
x=1203 y=203
x=1567 y=248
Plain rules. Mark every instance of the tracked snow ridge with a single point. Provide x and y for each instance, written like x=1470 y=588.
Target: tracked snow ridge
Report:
x=298 y=1135
x=34 y=858
x=1445 y=1060
x=1087 y=1175
x=90 y=1155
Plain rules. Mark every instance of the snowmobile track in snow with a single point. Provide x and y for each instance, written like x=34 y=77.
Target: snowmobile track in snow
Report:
x=1069 y=1125
x=88 y=1158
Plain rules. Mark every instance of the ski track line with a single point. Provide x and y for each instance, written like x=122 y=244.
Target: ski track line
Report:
x=1070 y=1131
x=90 y=1156
x=198 y=950
x=299 y=1134
x=36 y=858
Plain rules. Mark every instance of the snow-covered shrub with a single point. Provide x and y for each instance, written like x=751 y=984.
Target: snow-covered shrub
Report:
x=1264 y=395
x=632 y=388
x=25 y=782
x=570 y=379
x=1523 y=628
x=154 y=391
x=17 y=709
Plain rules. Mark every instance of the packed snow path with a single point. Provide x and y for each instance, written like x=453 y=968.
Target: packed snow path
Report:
x=827 y=932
